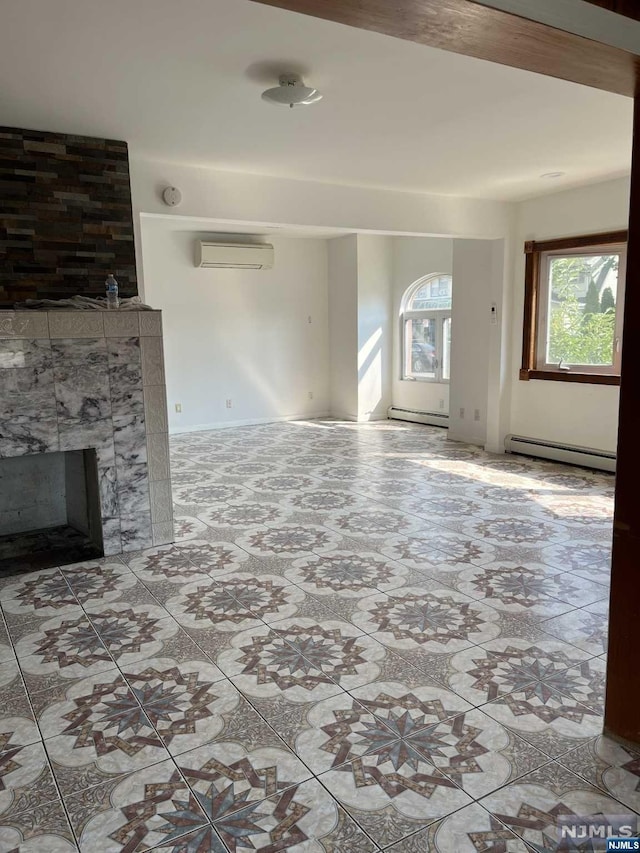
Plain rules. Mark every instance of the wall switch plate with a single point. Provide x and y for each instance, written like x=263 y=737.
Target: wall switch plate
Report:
x=228 y=404
x=311 y=395
x=462 y=413
x=476 y=415
x=442 y=404
x=178 y=407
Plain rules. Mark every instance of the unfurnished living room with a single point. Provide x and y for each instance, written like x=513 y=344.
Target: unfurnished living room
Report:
x=318 y=426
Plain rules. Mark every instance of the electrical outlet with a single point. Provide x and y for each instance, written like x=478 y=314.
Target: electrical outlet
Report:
x=462 y=413
x=228 y=403
x=476 y=414
x=311 y=395
x=442 y=404
x=178 y=407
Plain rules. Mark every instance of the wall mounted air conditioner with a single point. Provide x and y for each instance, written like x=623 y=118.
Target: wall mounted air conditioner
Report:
x=241 y=256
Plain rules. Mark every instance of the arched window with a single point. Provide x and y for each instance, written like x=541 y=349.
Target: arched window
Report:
x=426 y=329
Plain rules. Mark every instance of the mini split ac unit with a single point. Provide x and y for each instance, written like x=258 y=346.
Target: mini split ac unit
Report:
x=242 y=256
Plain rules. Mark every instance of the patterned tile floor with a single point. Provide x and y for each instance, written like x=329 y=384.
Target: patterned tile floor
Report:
x=366 y=638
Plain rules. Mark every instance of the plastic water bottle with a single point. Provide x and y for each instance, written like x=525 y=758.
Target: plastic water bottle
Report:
x=112 y=292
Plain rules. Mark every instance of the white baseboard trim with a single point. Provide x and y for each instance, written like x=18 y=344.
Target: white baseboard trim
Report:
x=358 y=419
x=248 y=422
x=572 y=454
x=476 y=441
x=396 y=413
x=497 y=449
x=338 y=416
x=367 y=419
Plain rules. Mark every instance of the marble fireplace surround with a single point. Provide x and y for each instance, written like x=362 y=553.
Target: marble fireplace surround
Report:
x=72 y=380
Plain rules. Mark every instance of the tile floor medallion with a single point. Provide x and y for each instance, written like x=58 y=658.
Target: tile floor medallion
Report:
x=586 y=628
x=138 y=811
x=533 y=805
x=92 y=583
x=437 y=549
x=369 y=523
x=585 y=683
x=6 y=652
x=243 y=515
x=470 y=830
x=209 y=494
x=227 y=776
x=97 y=731
x=186 y=563
x=65 y=647
x=348 y=573
x=533 y=589
x=323 y=501
x=185 y=701
x=133 y=632
x=37 y=596
x=267 y=597
x=289 y=540
x=301 y=818
x=393 y=790
x=422 y=622
x=302 y=659
x=187 y=527
x=483 y=673
x=364 y=638
x=548 y=719
x=476 y=753
x=610 y=766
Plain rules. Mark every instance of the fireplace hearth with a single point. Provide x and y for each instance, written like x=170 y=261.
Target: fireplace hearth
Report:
x=84 y=457
x=49 y=510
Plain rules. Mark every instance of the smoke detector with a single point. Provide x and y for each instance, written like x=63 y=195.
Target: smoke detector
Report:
x=291 y=92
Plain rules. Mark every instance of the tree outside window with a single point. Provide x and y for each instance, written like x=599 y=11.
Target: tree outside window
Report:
x=574 y=295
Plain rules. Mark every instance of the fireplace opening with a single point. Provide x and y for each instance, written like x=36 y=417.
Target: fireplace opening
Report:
x=49 y=511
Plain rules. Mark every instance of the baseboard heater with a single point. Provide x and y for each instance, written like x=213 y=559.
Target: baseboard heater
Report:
x=587 y=457
x=417 y=417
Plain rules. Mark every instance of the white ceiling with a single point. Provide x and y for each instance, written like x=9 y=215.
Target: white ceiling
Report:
x=181 y=81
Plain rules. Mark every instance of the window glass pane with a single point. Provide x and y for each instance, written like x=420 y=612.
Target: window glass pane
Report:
x=433 y=294
x=446 y=348
x=581 y=317
x=420 y=337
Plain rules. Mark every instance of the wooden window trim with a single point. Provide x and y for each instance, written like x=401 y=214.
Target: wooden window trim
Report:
x=533 y=250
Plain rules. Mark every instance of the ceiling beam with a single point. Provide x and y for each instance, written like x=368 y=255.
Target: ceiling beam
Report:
x=466 y=27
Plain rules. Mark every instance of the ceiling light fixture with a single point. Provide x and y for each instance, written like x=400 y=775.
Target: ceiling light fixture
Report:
x=552 y=175
x=291 y=92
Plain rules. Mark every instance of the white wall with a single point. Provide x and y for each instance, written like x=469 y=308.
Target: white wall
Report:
x=413 y=258
x=272 y=383
x=343 y=326
x=241 y=197
x=360 y=328
x=375 y=330
x=500 y=345
x=242 y=335
x=573 y=413
x=470 y=339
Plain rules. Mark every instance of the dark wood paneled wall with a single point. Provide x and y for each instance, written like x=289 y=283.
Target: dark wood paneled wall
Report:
x=622 y=714
x=65 y=216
